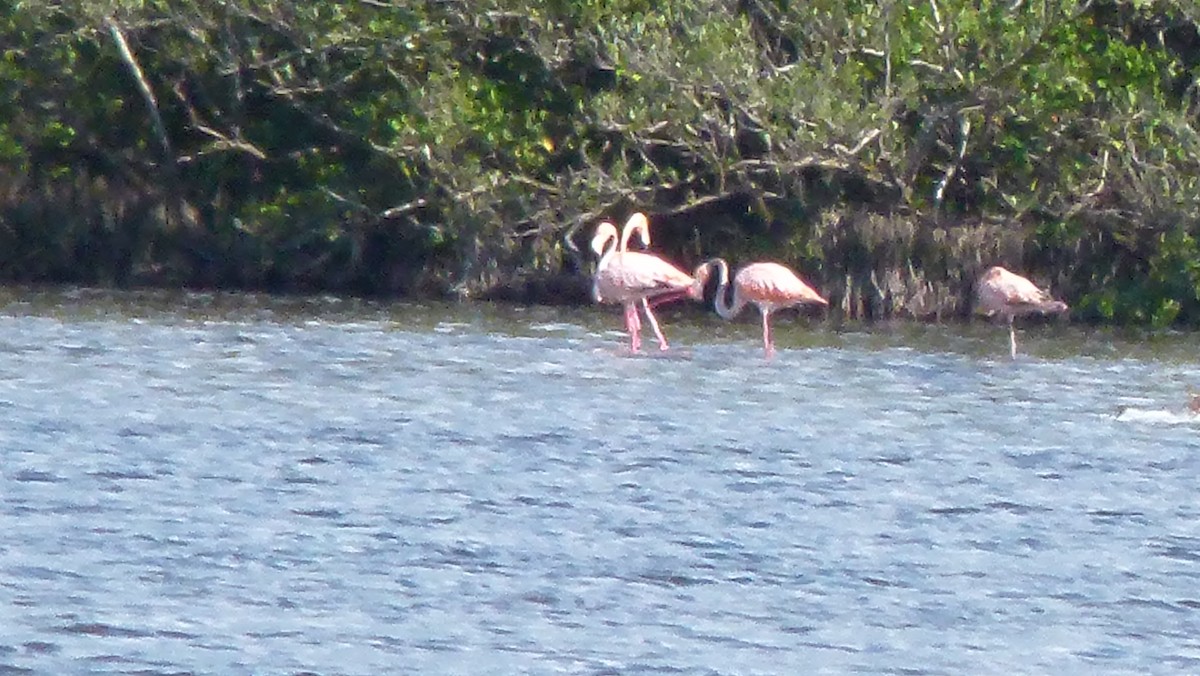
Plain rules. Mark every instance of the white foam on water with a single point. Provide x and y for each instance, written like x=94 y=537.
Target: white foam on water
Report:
x=1157 y=416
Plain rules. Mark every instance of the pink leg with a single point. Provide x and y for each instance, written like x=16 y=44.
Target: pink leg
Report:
x=633 y=327
x=768 y=346
x=1012 y=338
x=630 y=330
x=662 y=340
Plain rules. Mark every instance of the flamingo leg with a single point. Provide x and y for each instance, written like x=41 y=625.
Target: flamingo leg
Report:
x=637 y=323
x=1012 y=338
x=662 y=340
x=633 y=326
x=768 y=345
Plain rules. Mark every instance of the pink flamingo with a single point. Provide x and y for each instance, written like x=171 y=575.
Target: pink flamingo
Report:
x=638 y=223
x=770 y=286
x=1000 y=292
x=630 y=277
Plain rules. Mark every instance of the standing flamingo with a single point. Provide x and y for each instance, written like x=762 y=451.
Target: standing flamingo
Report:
x=638 y=223
x=1000 y=292
x=630 y=277
x=770 y=286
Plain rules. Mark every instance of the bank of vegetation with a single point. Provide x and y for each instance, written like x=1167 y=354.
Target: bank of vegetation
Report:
x=889 y=150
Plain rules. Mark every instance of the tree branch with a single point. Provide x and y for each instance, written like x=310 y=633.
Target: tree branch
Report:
x=403 y=209
x=964 y=134
x=222 y=142
x=143 y=85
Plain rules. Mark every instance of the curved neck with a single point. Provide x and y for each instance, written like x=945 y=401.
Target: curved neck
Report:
x=722 y=304
x=604 y=243
x=636 y=223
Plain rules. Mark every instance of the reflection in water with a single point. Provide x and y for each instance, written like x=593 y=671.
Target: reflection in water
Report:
x=220 y=483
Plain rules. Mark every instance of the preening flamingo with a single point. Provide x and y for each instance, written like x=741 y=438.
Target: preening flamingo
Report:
x=638 y=223
x=770 y=286
x=630 y=277
x=1000 y=292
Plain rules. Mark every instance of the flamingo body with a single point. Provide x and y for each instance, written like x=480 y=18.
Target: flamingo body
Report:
x=631 y=276
x=772 y=286
x=1008 y=295
x=769 y=286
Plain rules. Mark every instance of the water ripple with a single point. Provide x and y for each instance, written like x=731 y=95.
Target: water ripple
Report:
x=217 y=484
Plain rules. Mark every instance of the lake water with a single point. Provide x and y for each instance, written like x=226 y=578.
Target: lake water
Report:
x=232 y=484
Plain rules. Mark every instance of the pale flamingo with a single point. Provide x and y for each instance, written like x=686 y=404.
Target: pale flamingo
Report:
x=630 y=277
x=770 y=286
x=1000 y=292
x=637 y=223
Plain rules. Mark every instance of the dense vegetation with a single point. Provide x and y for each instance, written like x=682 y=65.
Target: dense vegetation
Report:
x=889 y=150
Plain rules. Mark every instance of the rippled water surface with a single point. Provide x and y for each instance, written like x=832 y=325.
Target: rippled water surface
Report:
x=226 y=484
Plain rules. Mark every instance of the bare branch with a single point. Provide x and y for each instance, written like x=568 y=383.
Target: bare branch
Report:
x=964 y=134
x=354 y=204
x=862 y=143
x=222 y=141
x=937 y=16
x=143 y=85
x=404 y=209
x=545 y=187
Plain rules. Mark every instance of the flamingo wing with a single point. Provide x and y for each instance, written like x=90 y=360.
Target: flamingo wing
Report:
x=633 y=275
x=774 y=285
x=1002 y=291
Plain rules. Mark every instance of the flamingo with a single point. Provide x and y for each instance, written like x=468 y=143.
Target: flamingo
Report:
x=1000 y=292
x=770 y=286
x=630 y=277
x=638 y=223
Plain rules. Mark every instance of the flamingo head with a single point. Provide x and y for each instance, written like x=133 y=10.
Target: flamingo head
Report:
x=605 y=234
x=993 y=273
x=641 y=225
x=704 y=271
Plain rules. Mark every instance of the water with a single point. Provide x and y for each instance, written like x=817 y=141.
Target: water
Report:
x=228 y=484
